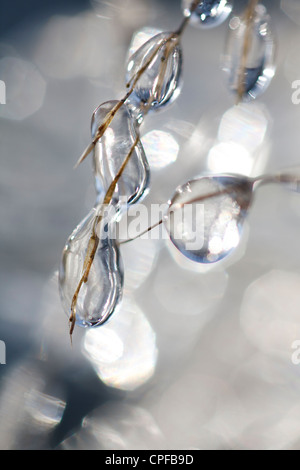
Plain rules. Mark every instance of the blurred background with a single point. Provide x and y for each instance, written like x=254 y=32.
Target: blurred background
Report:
x=194 y=358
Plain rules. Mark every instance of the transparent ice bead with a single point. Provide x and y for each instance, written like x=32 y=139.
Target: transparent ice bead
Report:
x=206 y=215
x=160 y=83
x=111 y=151
x=101 y=294
x=260 y=61
x=209 y=13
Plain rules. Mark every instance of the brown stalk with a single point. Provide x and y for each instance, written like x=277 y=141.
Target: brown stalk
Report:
x=131 y=85
x=280 y=178
x=220 y=192
x=249 y=18
x=94 y=239
x=111 y=114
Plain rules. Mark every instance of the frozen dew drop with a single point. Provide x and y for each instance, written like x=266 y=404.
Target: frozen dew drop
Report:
x=254 y=71
x=100 y=295
x=205 y=216
x=160 y=83
x=111 y=151
x=209 y=13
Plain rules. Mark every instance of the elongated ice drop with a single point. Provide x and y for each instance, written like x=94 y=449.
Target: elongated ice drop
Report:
x=99 y=296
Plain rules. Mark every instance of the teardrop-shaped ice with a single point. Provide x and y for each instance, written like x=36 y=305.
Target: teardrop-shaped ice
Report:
x=249 y=59
x=98 y=297
x=209 y=13
x=111 y=151
x=160 y=83
x=206 y=215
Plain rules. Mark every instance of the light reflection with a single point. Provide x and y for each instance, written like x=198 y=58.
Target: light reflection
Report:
x=117 y=426
x=270 y=312
x=25 y=88
x=245 y=124
x=269 y=435
x=186 y=293
x=51 y=333
x=232 y=236
x=128 y=13
x=187 y=406
x=241 y=133
x=27 y=412
x=112 y=347
x=161 y=149
x=139 y=258
x=123 y=352
x=268 y=391
x=230 y=157
x=185 y=263
x=46 y=410
x=71 y=47
x=140 y=38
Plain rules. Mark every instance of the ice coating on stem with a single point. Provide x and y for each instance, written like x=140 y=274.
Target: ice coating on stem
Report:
x=206 y=215
x=102 y=292
x=208 y=13
x=111 y=151
x=160 y=83
x=249 y=59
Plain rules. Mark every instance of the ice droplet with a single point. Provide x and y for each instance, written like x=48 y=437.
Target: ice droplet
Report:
x=111 y=151
x=206 y=215
x=209 y=13
x=259 y=64
x=100 y=295
x=160 y=83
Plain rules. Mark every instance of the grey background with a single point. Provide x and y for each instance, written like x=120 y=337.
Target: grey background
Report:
x=220 y=381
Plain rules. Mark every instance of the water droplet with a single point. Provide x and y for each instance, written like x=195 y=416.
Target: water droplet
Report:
x=111 y=151
x=260 y=61
x=98 y=297
x=160 y=83
x=123 y=352
x=206 y=215
x=209 y=13
x=161 y=149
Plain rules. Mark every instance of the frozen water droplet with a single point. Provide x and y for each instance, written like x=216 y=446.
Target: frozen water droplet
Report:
x=209 y=13
x=111 y=151
x=98 y=297
x=259 y=63
x=206 y=215
x=160 y=83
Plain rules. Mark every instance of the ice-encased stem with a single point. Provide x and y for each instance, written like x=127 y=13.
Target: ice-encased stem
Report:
x=94 y=239
x=249 y=18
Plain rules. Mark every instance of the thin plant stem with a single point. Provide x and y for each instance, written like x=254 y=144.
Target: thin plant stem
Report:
x=249 y=18
x=169 y=43
x=152 y=227
x=257 y=182
x=132 y=84
x=94 y=239
x=177 y=206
